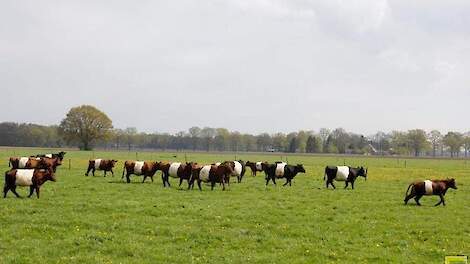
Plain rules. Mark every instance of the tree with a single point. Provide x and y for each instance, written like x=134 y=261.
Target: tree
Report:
x=130 y=137
x=313 y=144
x=418 y=140
x=466 y=143
x=293 y=145
x=454 y=141
x=324 y=135
x=85 y=125
x=435 y=137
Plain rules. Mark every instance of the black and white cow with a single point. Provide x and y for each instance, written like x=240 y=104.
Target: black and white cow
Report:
x=343 y=173
x=282 y=170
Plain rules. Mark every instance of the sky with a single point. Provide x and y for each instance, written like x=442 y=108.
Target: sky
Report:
x=247 y=65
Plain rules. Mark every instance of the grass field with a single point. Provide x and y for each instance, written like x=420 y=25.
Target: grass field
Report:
x=103 y=220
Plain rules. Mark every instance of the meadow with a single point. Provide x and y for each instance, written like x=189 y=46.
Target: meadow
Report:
x=81 y=219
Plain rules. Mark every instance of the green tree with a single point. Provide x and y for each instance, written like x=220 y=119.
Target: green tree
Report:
x=85 y=125
x=435 y=137
x=454 y=141
x=293 y=145
x=313 y=144
x=417 y=141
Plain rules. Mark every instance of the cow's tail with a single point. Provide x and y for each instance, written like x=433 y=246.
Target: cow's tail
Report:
x=411 y=186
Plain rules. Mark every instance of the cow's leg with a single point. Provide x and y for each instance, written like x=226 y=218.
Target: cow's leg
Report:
x=346 y=184
x=163 y=180
x=352 y=185
x=199 y=185
x=104 y=173
x=441 y=201
x=181 y=182
x=112 y=172
x=417 y=199
x=145 y=177
x=37 y=191
x=128 y=178
x=151 y=178
x=5 y=190
x=13 y=190
x=290 y=182
x=287 y=182
x=167 y=179
x=212 y=185
x=267 y=181
x=409 y=196
x=93 y=172
x=31 y=191
x=327 y=183
x=88 y=170
x=273 y=179
x=332 y=184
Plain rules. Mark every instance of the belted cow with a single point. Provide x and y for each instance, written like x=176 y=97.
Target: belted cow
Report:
x=144 y=168
x=239 y=169
x=59 y=155
x=255 y=167
x=52 y=162
x=343 y=173
x=429 y=187
x=282 y=170
x=176 y=170
x=33 y=178
x=211 y=173
x=102 y=165
x=27 y=163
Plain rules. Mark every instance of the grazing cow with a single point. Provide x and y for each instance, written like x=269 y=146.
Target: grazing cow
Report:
x=27 y=163
x=255 y=166
x=282 y=170
x=343 y=173
x=433 y=187
x=211 y=173
x=59 y=155
x=176 y=170
x=144 y=168
x=239 y=169
x=33 y=178
x=101 y=164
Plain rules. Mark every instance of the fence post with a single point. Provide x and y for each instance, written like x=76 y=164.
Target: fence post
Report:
x=136 y=156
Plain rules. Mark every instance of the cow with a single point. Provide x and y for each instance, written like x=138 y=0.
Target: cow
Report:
x=101 y=164
x=27 y=163
x=52 y=162
x=211 y=173
x=176 y=170
x=144 y=168
x=59 y=155
x=239 y=169
x=255 y=166
x=282 y=170
x=33 y=178
x=343 y=173
x=429 y=187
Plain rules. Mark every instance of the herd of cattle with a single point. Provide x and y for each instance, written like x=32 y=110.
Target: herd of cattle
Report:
x=33 y=171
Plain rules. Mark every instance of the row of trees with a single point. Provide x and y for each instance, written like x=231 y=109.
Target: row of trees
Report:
x=87 y=127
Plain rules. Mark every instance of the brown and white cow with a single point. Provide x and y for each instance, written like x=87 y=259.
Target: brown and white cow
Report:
x=52 y=162
x=429 y=187
x=102 y=165
x=33 y=178
x=59 y=155
x=175 y=170
x=211 y=173
x=239 y=169
x=144 y=168
x=255 y=167
x=27 y=163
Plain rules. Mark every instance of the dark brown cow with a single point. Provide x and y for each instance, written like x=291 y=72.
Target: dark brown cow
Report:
x=144 y=168
x=27 y=163
x=59 y=155
x=33 y=178
x=176 y=170
x=429 y=187
x=52 y=162
x=211 y=173
x=101 y=164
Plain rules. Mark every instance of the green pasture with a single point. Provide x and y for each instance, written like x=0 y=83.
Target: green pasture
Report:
x=82 y=219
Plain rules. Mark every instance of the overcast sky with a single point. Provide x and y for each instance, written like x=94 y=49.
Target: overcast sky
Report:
x=247 y=65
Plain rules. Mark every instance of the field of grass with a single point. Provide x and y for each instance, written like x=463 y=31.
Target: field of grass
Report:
x=104 y=220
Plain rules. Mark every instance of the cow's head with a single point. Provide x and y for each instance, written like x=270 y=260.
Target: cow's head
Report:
x=362 y=172
x=61 y=155
x=300 y=168
x=451 y=183
x=113 y=162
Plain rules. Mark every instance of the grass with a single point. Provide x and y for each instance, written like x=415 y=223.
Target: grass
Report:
x=103 y=220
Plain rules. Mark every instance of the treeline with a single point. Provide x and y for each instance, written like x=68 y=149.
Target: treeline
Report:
x=415 y=142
